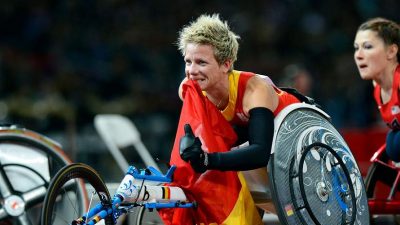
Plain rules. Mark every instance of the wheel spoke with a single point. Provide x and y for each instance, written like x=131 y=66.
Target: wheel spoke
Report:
x=5 y=188
x=3 y=213
x=34 y=196
x=24 y=220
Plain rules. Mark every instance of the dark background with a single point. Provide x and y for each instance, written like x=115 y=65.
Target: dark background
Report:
x=63 y=62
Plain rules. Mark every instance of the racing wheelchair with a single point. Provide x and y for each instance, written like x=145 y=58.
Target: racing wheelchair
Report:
x=382 y=184
x=28 y=161
x=312 y=178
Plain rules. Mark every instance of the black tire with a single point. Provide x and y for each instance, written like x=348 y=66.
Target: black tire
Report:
x=379 y=173
x=379 y=176
x=18 y=143
x=370 y=180
x=343 y=190
x=59 y=206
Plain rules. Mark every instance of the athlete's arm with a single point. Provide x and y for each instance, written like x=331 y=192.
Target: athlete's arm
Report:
x=257 y=153
x=259 y=101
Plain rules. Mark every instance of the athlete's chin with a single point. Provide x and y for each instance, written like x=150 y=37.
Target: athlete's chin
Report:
x=203 y=85
x=365 y=76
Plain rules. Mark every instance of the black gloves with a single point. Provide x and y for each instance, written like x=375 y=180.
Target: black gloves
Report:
x=190 y=151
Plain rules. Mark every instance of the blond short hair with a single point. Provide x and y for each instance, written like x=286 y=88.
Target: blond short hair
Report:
x=211 y=30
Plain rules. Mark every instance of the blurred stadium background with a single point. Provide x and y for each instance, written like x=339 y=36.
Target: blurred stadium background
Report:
x=64 y=61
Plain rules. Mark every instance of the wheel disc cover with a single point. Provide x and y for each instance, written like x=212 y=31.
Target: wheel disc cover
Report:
x=323 y=191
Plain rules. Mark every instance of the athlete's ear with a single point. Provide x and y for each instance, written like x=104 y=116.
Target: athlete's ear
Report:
x=226 y=66
x=392 y=51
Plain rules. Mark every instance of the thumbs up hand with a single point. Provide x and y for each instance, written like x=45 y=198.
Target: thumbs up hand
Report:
x=190 y=151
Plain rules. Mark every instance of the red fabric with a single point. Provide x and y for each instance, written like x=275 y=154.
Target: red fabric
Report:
x=390 y=111
x=215 y=192
x=285 y=99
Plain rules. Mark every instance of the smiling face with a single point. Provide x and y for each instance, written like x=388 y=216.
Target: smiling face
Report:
x=202 y=66
x=370 y=54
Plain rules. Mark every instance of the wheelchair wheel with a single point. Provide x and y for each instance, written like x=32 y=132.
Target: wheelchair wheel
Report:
x=383 y=187
x=28 y=161
x=61 y=202
x=380 y=175
x=314 y=177
x=332 y=183
x=370 y=179
x=143 y=216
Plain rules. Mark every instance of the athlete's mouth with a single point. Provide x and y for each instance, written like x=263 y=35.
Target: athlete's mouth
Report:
x=199 y=80
x=362 y=66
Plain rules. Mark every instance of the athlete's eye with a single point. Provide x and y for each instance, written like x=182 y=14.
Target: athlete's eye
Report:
x=367 y=46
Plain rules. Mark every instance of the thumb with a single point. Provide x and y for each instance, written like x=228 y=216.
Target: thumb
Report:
x=188 y=130
x=187 y=140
